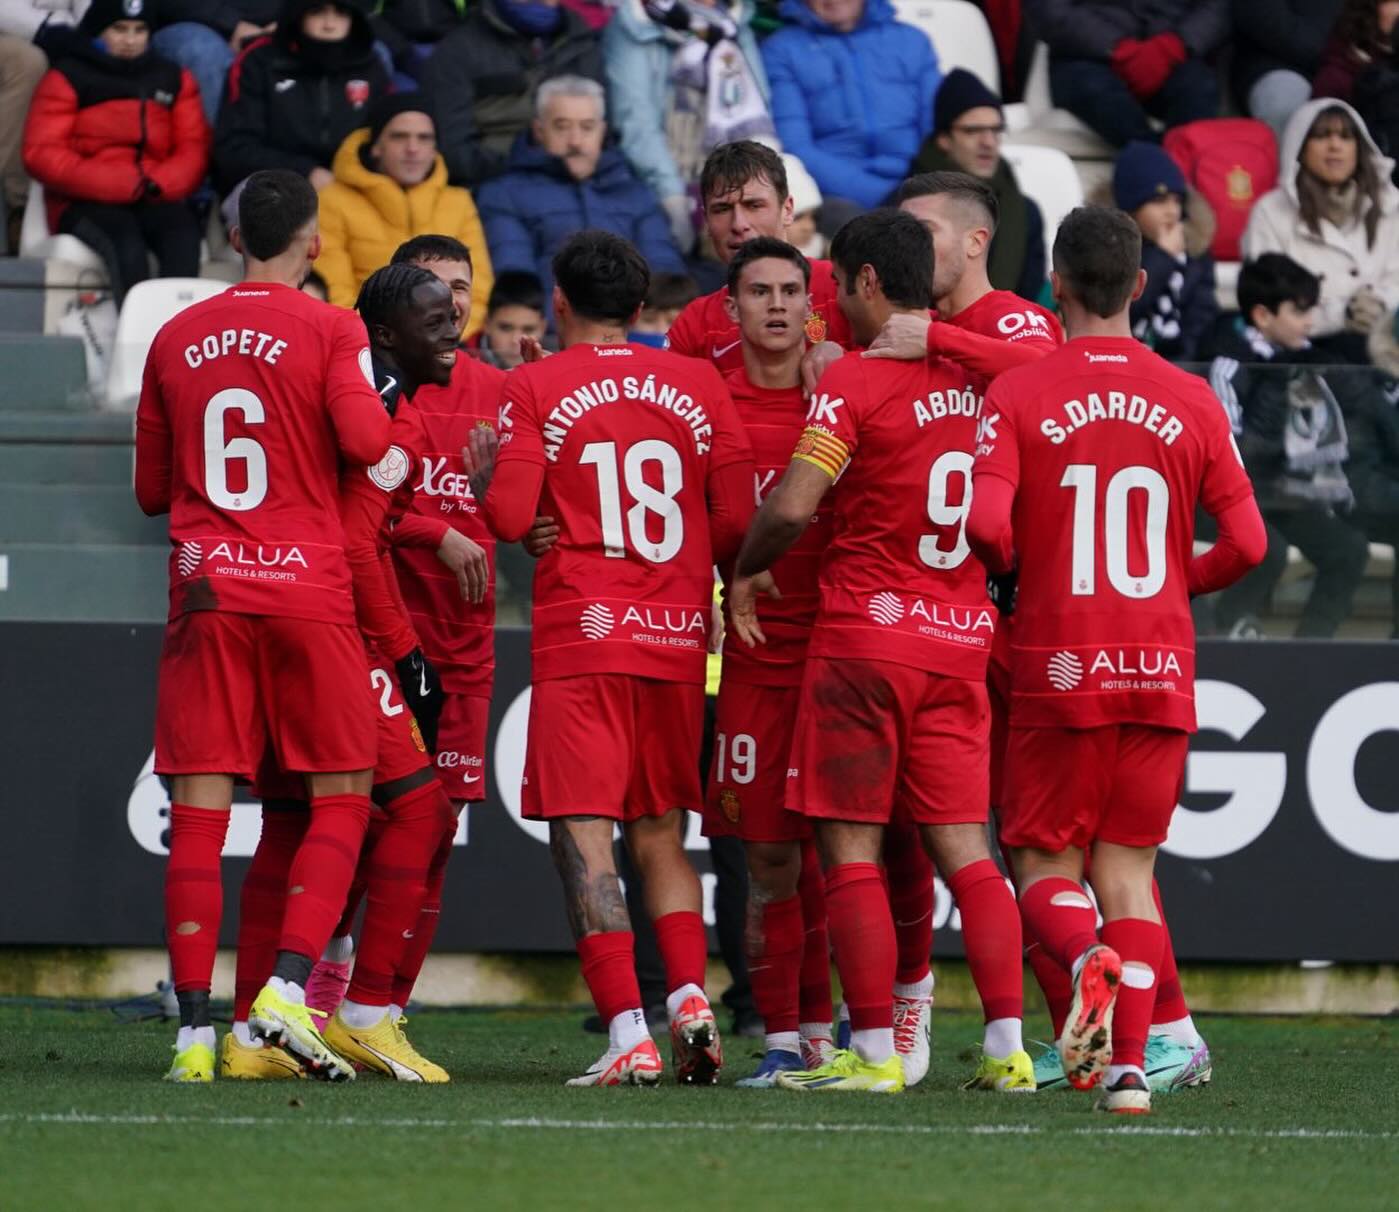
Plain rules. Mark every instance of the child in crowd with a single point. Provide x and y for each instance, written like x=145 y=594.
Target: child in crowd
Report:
x=516 y=310
x=665 y=300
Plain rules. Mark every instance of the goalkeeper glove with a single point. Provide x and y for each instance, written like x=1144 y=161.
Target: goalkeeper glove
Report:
x=422 y=691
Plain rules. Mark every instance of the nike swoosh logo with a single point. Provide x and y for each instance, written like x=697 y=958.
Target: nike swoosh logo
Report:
x=720 y=350
x=402 y=1072
x=422 y=680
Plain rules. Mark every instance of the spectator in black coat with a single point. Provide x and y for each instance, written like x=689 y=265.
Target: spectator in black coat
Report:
x=293 y=98
x=482 y=78
x=1277 y=50
x=1113 y=62
x=1177 y=310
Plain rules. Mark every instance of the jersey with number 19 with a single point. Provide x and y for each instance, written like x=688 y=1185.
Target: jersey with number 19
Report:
x=894 y=699
x=630 y=441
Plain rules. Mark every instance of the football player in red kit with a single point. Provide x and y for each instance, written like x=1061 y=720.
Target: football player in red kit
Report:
x=413 y=334
x=1089 y=470
x=444 y=562
x=743 y=188
x=640 y=457
x=893 y=715
x=758 y=692
x=248 y=403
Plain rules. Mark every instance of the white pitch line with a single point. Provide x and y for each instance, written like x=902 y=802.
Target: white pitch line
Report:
x=79 y=1118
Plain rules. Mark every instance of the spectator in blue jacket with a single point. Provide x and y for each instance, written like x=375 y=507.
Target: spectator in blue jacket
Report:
x=852 y=96
x=561 y=178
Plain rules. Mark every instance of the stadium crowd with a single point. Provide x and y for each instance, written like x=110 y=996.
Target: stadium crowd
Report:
x=433 y=165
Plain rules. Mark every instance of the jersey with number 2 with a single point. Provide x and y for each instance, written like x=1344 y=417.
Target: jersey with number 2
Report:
x=1109 y=448
x=628 y=437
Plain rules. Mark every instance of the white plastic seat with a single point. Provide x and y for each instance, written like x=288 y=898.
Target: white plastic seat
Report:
x=1036 y=120
x=36 y=240
x=959 y=34
x=1049 y=178
x=147 y=307
x=1226 y=284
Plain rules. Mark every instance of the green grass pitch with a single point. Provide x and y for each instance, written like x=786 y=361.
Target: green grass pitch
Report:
x=1303 y=1113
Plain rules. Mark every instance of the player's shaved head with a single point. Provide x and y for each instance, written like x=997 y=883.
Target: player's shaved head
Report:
x=603 y=277
x=275 y=207
x=973 y=197
x=412 y=322
x=899 y=250
x=1097 y=255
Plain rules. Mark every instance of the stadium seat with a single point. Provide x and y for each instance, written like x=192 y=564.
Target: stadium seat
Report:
x=148 y=305
x=1036 y=120
x=36 y=240
x=1226 y=284
x=1047 y=176
x=959 y=34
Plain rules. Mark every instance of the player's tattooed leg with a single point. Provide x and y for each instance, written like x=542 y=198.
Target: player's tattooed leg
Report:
x=582 y=851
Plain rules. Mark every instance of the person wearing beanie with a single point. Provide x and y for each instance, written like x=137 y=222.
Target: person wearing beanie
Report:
x=968 y=128
x=1177 y=311
x=1115 y=63
x=117 y=138
x=292 y=98
x=391 y=185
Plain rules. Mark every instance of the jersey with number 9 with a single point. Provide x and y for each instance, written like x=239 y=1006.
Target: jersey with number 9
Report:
x=1109 y=448
x=249 y=400
x=629 y=438
x=899 y=583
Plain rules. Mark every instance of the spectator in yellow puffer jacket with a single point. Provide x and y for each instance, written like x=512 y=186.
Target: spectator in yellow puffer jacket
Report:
x=390 y=185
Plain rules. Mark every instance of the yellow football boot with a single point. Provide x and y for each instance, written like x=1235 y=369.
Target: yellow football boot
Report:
x=258 y=1063
x=289 y=1025
x=1015 y=1074
x=847 y=1070
x=194 y=1064
x=384 y=1048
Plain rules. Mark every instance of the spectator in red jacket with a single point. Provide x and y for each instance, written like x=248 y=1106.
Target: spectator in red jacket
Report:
x=117 y=138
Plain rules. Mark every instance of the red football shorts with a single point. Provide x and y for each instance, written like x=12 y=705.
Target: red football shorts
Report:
x=233 y=684
x=871 y=735
x=1074 y=786
x=609 y=744
x=752 y=749
x=461 y=746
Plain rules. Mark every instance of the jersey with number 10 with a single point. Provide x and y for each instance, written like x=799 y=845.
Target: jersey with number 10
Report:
x=1109 y=448
x=249 y=400
x=899 y=582
x=628 y=437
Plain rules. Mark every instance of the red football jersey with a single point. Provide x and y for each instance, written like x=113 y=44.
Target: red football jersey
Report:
x=1109 y=448
x=249 y=400
x=457 y=636
x=899 y=582
x=773 y=421
x=1004 y=315
x=628 y=437
x=704 y=330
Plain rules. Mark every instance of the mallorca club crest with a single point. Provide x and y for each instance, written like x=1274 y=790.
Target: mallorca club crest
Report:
x=357 y=93
x=815 y=328
x=729 y=805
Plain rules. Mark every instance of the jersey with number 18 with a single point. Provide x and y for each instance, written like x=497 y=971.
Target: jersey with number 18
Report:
x=628 y=438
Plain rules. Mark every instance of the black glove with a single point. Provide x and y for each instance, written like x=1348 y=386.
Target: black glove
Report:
x=422 y=691
x=1002 y=589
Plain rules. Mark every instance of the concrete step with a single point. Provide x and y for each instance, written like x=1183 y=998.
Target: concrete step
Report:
x=62 y=513
x=83 y=583
x=43 y=373
x=65 y=463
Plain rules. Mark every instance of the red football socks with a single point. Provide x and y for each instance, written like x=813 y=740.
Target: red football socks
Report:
x=1059 y=912
x=410 y=962
x=684 y=948
x=397 y=878
x=262 y=902
x=774 y=964
x=360 y=884
x=814 y=996
x=910 y=875
x=991 y=933
x=609 y=967
x=1053 y=979
x=322 y=872
x=862 y=930
x=1170 y=997
x=1139 y=944
x=194 y=894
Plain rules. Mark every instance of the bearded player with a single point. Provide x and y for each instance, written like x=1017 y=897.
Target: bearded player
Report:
x=1087 y=479
x=444 y=562
x=640 y=457
x=413 y=334
x=785 y=937
x=994 y=331
x=893 y=716
x=250 y=400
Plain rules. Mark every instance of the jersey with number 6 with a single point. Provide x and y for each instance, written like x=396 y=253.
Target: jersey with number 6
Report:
x=629 y=438
x=1109 y=449
x=249 y=400
x=899 y=582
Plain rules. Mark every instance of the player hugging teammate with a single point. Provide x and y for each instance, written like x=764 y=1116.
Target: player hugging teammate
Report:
x=902 y=431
